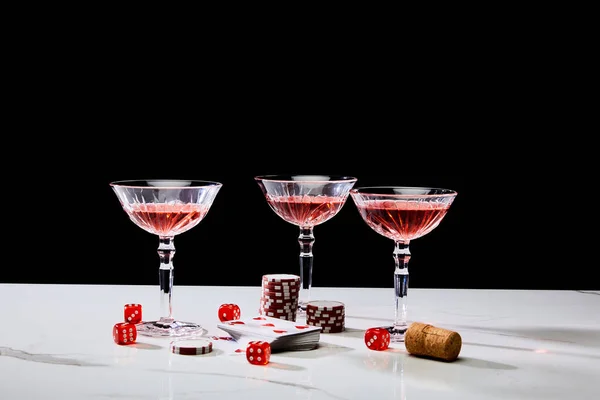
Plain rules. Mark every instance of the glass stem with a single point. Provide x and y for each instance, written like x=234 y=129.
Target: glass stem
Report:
x=166 y=252
x=306 y=240
x=401 y=258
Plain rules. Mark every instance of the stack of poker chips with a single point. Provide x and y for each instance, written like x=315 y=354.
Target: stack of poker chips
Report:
x=191 y=347
x=329 y=315
x=279 y=296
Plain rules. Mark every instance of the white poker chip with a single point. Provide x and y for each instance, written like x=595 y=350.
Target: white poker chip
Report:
x=191 y=347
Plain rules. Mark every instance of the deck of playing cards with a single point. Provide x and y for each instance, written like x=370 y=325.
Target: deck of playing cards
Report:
x=283 y=335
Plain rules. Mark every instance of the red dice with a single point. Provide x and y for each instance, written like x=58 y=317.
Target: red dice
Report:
x=258 y=352
x=377 y=338
x=229 y=312
x=133 y=313
x=124 y=333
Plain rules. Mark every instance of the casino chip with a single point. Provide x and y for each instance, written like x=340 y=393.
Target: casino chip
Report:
x=329 y=315
x=191 y=347
x=279 y=296
x=284 y=279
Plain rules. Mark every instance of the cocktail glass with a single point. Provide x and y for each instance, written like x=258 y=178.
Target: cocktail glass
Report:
x=166 y=208
x=305 y=201
x=402 y=214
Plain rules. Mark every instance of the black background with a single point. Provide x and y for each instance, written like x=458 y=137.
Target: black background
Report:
x=89 y=111
x=88 y=239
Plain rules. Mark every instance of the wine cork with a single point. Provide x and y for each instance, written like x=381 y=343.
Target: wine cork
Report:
x=427 y=340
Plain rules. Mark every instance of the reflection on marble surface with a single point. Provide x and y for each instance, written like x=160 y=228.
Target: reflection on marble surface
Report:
x=45 y=358
x=516 y=345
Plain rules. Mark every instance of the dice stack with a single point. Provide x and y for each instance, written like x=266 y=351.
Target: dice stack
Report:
x=125 y=333
x=279 y=296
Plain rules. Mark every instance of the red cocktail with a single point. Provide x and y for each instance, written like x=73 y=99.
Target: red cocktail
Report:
x=166 y=208
x=402 y=214
x=305 y=210
x=305 y=201
x=167 y=219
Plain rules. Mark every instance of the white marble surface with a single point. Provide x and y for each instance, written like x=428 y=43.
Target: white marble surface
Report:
x=56 y=343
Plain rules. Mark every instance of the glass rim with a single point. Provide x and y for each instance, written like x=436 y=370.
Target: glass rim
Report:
x=164 y=183
x=379 y=191
x=311 y=178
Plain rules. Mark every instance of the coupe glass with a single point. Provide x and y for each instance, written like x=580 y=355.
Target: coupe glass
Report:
x=305 y=201
x=166 y=208
x=402 y=214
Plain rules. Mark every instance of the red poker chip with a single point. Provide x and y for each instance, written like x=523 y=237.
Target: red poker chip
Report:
x=275 y=281
x=277 y=311
x=278 y=294
x=191 y=347
x=283 y=292
x=266 y=306
x=277 y=301
x=325 y=314
x=328 y=324
x=325 y=322
x=321 y=312
x=272 y=304
x=291 y=316
x=275 y=295
x=333 y=328
x=288 y=290
x=280 y=287
x=326 y=330
x=278 y=306
x=281 y=278
x=324 y=305
x=325 y=319
x=313 y=310
x=274 y=312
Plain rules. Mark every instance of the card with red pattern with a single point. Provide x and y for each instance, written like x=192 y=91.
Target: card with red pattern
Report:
x=283 y=335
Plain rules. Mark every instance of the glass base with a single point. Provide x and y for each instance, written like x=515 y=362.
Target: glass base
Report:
x=168 y=327
x=301 y=311
x=396 y=332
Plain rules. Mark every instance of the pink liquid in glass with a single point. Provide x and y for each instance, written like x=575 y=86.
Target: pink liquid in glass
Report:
x=166 y=219
x=402 y=220
x=305 y=210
